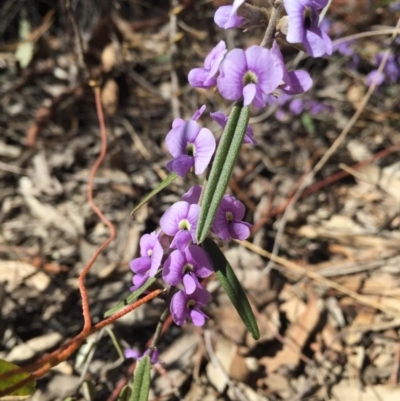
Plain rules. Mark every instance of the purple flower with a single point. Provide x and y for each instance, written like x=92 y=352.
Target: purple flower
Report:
x=251 y=74
x=226 y=16
x=303 y=26
x=151 y=253
x=187 y=265
x=205 y=77
x=193 y=195
x=184 y=306
x=228 y=220
x=294 y=82
x=190 y=145
x=131 y=353
x=222 y=119
x=180 y=221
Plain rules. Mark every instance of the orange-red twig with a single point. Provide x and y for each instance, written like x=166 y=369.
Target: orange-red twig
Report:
x=40 y=367
x=103 y=150
x=65 y=351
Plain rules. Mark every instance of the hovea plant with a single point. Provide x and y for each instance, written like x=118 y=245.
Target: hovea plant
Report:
x=182 y=252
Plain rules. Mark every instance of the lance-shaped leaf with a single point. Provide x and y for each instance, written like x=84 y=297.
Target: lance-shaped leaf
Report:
x=171 y=177
x=131 y=297
x=232 y=287
x=221 y=171
x=141 y=381
x=8 y=379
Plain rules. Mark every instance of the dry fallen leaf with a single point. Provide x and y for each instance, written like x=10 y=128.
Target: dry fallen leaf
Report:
x=296 y=337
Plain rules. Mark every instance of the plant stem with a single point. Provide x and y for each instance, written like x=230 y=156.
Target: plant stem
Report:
x=269 y=33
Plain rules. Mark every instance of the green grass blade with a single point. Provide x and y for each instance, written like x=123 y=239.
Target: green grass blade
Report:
x=171 y=177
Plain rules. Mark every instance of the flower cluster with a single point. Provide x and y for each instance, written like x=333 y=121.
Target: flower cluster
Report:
x=303 y=28
x=253 y=76
x=183 y=261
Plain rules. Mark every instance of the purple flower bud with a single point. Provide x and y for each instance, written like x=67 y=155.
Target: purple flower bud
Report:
x=226 y=16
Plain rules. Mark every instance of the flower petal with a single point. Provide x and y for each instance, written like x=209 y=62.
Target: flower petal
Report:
x=262 y=63
x=178 y=307
x=156 y=258
x=193 y=195
x=220 y=118
x=204 y=149
x=230 y=80
x=172 y=271
x=200 y=260
x=140 y=265
x=170 y=220
x=300 y=82
x=190 y=283
x=197 y=78
x=180 y=165
x=198 y=317
x=239 y=230
x=131 y=353
x=181 y=239
x=176 y=140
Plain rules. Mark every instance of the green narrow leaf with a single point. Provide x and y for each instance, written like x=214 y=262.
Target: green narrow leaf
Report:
x=25 y=390
x=141 y=381
x=232 y=287
x=131 y=297
x=221 y=170
x=171 y=177
x=125 y=394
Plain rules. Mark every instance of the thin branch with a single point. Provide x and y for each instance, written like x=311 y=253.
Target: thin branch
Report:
x=269 y=33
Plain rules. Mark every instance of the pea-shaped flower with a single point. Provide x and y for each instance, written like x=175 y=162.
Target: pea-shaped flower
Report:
x=304 y=26
x=250 y=74
x=228 y=222
x=151 y=253
x=184 y=306
x=205 y=77
x=180 y=221
x=186 y=266
x=190 y=145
